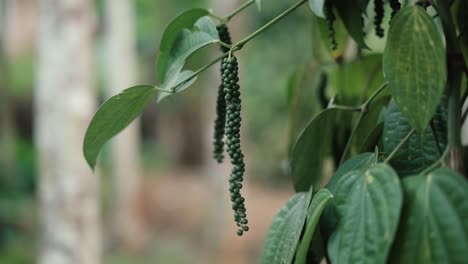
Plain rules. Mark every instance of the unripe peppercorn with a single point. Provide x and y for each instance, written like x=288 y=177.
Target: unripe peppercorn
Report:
x=379 y=14
x=330 y=17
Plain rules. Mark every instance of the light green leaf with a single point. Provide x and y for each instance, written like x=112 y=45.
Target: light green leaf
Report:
x=317 y=7
x=420 y=150
x=434 y=226
x=310 y=149
x=188 y=41
x=350 y=13
x=180 y=77
x=368 y=207
x=113 y=116
x=414 y=65
x=320 y=200
x=184 y=20
x=285 y=231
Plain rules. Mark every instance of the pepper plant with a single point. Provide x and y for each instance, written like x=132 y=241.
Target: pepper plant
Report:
x=392 y=128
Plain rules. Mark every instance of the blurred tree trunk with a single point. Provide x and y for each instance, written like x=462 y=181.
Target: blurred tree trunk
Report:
x=64 y=105
x=122 y=60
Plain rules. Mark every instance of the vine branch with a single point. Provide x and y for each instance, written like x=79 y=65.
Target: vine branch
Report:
x=363 y=112
x=235 y=12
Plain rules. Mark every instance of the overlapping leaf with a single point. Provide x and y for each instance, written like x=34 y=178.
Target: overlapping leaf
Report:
x=421 y=150
x=285 y=231
x=434 y=226
x=113 y=116
x=310 y=150
x=368 y=208
x=414 y=64
x=188 y=40
x=319 y=201
x=317 y=7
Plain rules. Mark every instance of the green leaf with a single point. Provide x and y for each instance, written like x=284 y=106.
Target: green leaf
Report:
x=285 y=231
x=310 y=149
x=420 y=150
x=317 y=7
x=414 y=65
x=350 y=13
x=368 y=207
x=370 y=121
x=361 y=163
x=184 y=20
x=180 y=77
x=188 y=41
x=320 y=200
x=113 y=116
x=373 y=139
x=433 y=226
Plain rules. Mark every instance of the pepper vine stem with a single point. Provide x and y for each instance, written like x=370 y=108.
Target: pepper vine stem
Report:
x=238 y=45
x=397 y=148
x=440 y=161
x=363 y=112
x=286 y=12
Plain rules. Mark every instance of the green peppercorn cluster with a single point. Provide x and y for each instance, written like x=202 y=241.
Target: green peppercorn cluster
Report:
x=218 y=144
x=395 y=5
x=330 y=17
x=233 y=123
x=379 y=14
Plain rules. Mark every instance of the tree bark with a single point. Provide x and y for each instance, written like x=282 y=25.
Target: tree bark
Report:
x=64 y=105
x=122 y=58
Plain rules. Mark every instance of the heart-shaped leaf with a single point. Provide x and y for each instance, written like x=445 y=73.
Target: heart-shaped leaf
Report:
x=285 y=231
x=414 y=65
x=310 y=149
x=319 y=201
x=113 y=116
x=184 y=20
x=421 y=150
x=188 y=41
x=433 y=226
x=368 y=207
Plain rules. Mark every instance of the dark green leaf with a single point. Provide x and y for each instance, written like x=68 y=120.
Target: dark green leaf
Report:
x=414 y=65
x=188 y=41
x=310 y=150
x=350 y=13
x=113 y=116
x=317 y=7
x=316 y=208
x=361 y=163
x=420 y=150
x=285 y=231
x=368 y=207
x=184 y=20
x=433 y=226
x=373 y=139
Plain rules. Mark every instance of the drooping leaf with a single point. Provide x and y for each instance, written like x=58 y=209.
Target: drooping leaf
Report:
x=285 y=230
x=113 y=116
x=188 y=41
x=317 y=7
x=368 y=207
x=350 y=13
x=184 y=20
x=414 y=65
x=433 y=226
x=421 y=150
x=310 y=149
x=360 y=163
x=319 y=201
